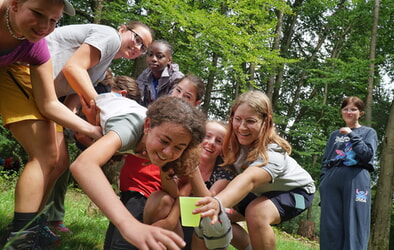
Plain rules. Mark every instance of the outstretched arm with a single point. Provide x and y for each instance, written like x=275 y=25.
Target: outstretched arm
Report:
x=86 y=170
x=234 y=192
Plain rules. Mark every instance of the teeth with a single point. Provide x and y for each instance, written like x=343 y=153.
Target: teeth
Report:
x=161 y=158
x=209 y=150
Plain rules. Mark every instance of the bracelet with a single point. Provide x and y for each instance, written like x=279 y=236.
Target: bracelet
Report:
x=220 y=204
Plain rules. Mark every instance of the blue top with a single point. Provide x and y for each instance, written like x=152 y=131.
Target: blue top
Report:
x=356 y=149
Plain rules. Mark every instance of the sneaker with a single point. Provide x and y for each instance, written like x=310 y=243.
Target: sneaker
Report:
x=48 y=238
x=59 y=227
x=24 y=240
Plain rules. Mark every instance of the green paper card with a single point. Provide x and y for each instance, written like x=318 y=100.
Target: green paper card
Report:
x=299 y=201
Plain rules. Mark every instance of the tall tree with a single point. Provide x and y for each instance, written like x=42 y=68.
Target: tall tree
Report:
x=372 y=57
x=382 y=205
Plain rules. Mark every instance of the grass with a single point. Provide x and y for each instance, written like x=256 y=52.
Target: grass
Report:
x=89 y=228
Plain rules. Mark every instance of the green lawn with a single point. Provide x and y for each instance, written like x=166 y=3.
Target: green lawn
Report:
x=89 y=225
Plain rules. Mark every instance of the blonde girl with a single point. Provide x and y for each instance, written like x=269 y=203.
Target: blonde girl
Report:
x=270 y=186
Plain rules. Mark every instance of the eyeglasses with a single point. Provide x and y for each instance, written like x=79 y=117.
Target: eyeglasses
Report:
x=353 y=110
x=139 y=41
x=237 y=121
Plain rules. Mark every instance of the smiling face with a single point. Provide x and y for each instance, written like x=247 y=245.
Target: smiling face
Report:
x=134 y=42
x=186 y=90
x=246 y=124
x=158 y=57
x=212 y=143
x=34 y=19
x=351 y=115
x=166 y=142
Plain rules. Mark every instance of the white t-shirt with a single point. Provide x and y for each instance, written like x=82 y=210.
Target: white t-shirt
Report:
x=65 y=40
x=112 y=104
x=123 y=116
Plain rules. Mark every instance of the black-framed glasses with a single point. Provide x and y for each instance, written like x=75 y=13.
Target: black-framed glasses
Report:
x=139 y=41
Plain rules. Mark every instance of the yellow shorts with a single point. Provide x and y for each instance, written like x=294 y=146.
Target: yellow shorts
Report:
x=16 y=95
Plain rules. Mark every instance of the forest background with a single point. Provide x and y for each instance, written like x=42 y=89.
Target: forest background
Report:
x=305 y=54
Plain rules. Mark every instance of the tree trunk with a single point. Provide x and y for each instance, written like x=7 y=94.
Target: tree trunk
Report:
x=139 y=66
x=372 y=56
x=382 y=205
x=307 y=229
x=275 y=46
x=209 y=86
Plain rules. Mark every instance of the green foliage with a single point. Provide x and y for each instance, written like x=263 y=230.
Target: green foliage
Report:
x=9 y=147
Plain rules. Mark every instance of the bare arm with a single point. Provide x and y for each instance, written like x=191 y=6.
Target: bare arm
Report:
x=76 y=70
x=72 y=102
x=234 y=192
x=86 y=170
x=218 y=186
x=48 y=104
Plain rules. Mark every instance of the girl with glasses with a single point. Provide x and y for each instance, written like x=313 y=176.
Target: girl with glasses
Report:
x=345 y=190
x=81 y=55
x=271 y=186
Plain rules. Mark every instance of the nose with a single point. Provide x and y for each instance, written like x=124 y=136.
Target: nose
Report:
x=167 y=152
x=153 y=58
x=243 y=124
x=45 y=25
x=210 y=141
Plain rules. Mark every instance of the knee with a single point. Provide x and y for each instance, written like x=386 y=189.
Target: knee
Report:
x=162 y=200
x=259 y=218
x=47 y=162
x=74 y=167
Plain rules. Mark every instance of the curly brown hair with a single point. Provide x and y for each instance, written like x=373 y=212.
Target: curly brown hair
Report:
x=176 y=110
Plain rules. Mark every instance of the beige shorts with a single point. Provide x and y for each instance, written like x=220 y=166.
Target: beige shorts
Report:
x=16 y=95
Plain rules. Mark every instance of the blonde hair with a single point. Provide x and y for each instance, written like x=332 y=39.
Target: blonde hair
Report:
x=259 y=103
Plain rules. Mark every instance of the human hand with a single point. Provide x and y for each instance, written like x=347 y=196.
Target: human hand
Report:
x=147 y=237
x=83 y=139
x=90 y=111
x=345 y=130
x=97 y=132
x=210 y=207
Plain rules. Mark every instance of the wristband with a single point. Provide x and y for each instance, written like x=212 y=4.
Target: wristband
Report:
x=225 y=210
x=220 y=204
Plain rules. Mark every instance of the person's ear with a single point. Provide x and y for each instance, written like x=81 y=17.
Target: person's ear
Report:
x=361 y=113
x=146 y=125
x=14 y=4
x=123 y=92
x=197 y=103
x=123 y=28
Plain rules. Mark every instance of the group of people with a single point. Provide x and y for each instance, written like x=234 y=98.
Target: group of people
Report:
x=48 y=74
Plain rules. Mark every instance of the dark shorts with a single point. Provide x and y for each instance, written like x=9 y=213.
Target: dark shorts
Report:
x=284 y=201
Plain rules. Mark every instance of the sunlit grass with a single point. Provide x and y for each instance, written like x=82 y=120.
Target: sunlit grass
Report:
x=89 y=229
